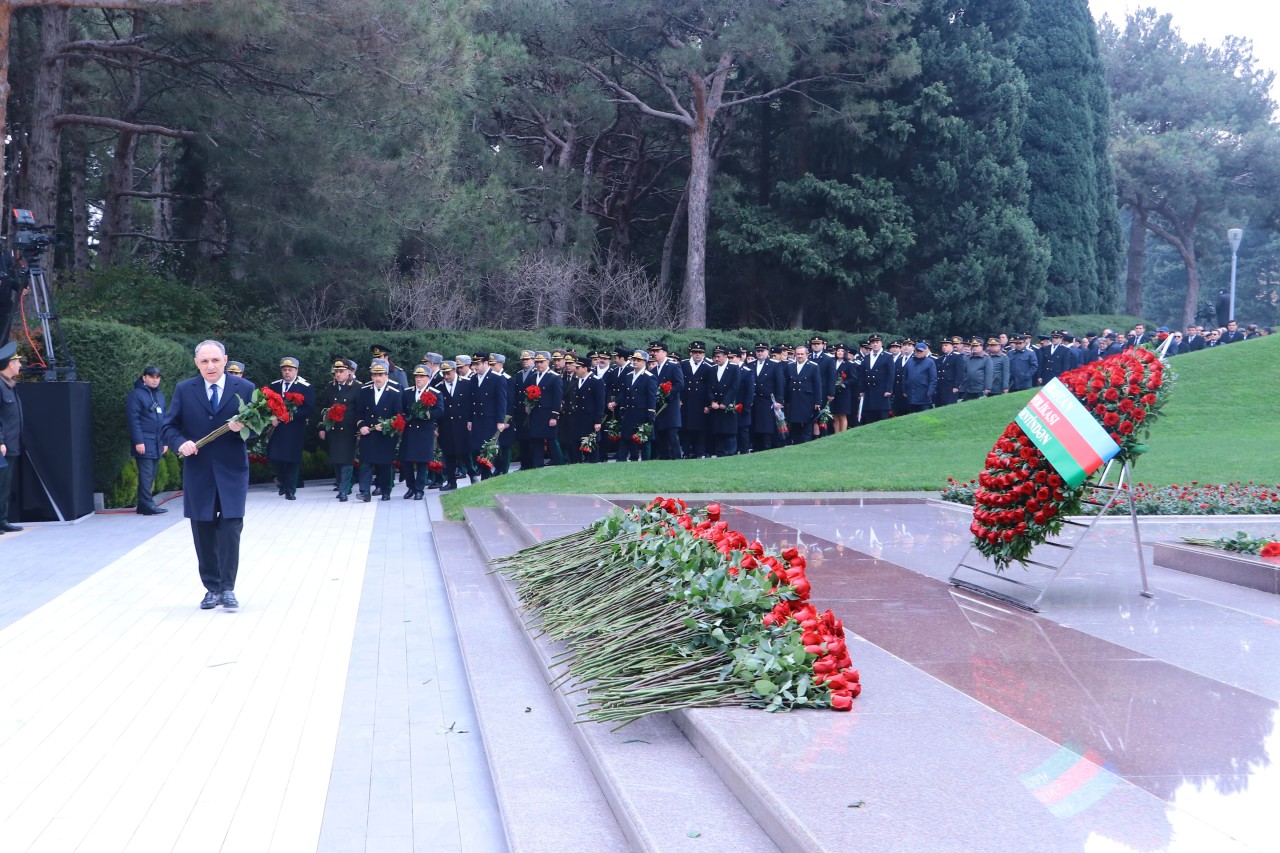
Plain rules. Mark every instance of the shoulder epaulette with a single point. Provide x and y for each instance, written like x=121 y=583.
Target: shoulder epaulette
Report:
x=301 y=381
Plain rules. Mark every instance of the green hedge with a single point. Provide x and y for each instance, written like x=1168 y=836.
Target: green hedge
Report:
x=110 y=357
x=124 y=491
x=1078 y=324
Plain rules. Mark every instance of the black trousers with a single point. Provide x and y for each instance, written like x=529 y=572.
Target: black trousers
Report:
x=6 y=484
x=287 y=474
x=342 y=476
x=536 y=457
x=764 y=441
x=381 y=472
x=666 y=443
x=872 y=417
x=146 y=479
x=695 y=442
x=726 y=444
x=799 y=433
x=415 y=475
x=218 y=551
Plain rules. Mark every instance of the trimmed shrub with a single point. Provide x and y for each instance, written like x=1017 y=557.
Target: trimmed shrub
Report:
x=124 y=491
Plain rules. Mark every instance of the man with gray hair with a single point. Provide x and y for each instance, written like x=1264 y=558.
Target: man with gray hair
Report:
x=215 y=478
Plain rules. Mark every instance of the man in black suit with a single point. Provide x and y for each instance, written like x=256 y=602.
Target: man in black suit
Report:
x=1234 y=334
x=215 y=478
x=722 y=403
x=637 y=405
x=1194 y=340
x=804 y=396
x=877 y=382
x=1056 y=359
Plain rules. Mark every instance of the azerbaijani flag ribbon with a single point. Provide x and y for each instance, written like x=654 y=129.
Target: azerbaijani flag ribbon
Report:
x=1066 y=433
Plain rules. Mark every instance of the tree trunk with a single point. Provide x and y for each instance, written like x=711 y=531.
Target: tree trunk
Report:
x=669 y=244
x=42 y=175
x=117 y=214
x=79 y=206
x=1188 y=252
x=693 y=299
x=1135 y=259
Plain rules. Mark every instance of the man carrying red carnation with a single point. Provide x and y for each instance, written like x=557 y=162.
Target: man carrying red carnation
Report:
x=284 y=449
x=338 y=408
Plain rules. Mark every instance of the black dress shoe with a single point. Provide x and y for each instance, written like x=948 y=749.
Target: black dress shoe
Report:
x=291 y=497
x=342 y=498
x=365 y=498
x=386 y=496
x=209 y=601
x=10 y=528
x=433 y=486
x=417 y=496
x=449 y=487
x=409 y=494
x=229 y=600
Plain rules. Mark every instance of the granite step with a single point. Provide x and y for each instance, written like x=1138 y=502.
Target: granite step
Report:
x=665 y=795
x=546 y=792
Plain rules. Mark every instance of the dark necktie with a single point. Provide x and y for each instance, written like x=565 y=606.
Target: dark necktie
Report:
x=213 y=397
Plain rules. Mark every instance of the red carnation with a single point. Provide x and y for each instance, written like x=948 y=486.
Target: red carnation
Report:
x=427 y=398
x=665 y=387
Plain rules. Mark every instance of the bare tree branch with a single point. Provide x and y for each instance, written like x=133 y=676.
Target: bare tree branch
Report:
x=123 y=126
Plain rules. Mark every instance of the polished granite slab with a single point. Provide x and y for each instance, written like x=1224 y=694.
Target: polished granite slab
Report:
x=1146 y=750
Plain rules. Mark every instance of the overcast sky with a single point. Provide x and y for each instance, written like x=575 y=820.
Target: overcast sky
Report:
x=1212 y=21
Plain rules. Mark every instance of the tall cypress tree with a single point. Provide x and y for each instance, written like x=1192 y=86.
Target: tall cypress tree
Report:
x=1064 y=142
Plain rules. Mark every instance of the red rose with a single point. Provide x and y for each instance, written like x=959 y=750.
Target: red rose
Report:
x=713 y=512
x=1126 y=405
x=1111 y=395
x=428 y=399
x=841 y=701
x=1110 y=419
x=1139 y=414
x=533 y=392
x=665 y=387
x=1270 y=551
x=1126 y=428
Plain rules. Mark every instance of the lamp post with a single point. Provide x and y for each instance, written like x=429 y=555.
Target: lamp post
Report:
x=1233 y=237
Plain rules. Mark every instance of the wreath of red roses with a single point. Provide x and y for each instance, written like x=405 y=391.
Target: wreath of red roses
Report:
x=1020 y=501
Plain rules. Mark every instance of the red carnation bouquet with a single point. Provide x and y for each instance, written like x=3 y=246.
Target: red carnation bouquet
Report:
x=423 y=404
x=334 y=414
x=392 y=426
x=532 y=395
x=292 y=400
x=254 y=416
x=488 y=453
x=664 y=395
x=1020 y=501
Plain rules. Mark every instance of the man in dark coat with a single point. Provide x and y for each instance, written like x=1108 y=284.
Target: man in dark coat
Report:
x=804 y=396
x=1056 y=358
x=877 y=382
x=215 y=478
x=1023 y=364
x=509 y=436
x=489 y=407
x=722 y=402
x=584 y=414
x=379 y=400
x=746 y=394
x=637 y=405
x=920 y=379
x=340 y=435
x=826 y=364
x=10 y=429
x=284 y=448
x=395 y=375
x=950 y=374
x=455 y=425
x=145 y=409
x=422 y=408
x=543 y=412
x=666 y=428
x=694 y=432
x=1233 y=335
x=769 y=395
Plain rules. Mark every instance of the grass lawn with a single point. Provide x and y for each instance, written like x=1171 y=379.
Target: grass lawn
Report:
x=1222 y=424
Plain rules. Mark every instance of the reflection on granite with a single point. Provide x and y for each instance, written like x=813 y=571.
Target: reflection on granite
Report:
x=1120 y=697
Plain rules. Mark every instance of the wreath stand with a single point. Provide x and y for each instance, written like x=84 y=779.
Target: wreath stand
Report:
x=977 y=573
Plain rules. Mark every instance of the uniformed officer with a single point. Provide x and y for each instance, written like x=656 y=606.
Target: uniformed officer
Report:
x=509 y=436
x=395 y=375
x=584 y=413
x=454 y=432
x=999 y=367
x=666 y=427
x=722 y=402
x=340 y=435
x=236 y=368
x=489 y=408
x=1055 y=359
x=284 y=449
x=422 y=408
x=696 y=397
x=637 y=405
x=804 y=396
x=769 y=395
x=378 y=400
x=877 y=382
x=746 y=395
x=1024 y=366
x=950 y=373
x=543 y=413
x=977 y=373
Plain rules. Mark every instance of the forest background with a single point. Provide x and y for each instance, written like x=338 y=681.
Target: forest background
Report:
x=926 y=166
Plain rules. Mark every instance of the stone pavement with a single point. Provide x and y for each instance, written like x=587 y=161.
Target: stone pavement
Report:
x=330 y=713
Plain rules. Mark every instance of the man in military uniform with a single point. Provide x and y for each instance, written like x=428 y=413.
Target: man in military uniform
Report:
x=378 y=400
x=236 y=368
x=340 y=436
x=637 y=405
x=950 y=373
x=804 y=396
x=977 y=373
x=1023 y=364
x=769 y=394
x=722 y=402
x=489 y=408
x=284 y=448
x=509 y=436
x=666 y=427
x=999 y=367
x=826 y=364
x=920 y=379
x=1055 y=360
x=583 y=413
x=695 y=400
x=422 y=409
x=394 y=374
x=10 y=429
x=877 y=382
x=543 y=413
x=746 y=395
x=901 y=352
x=455 y=435
x=462 y=364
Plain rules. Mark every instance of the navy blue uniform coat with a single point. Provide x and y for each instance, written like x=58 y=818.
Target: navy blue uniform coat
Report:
x=287 y=439
x=377 y=448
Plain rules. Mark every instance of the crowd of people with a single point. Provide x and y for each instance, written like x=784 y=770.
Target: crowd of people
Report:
x=466 y=417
